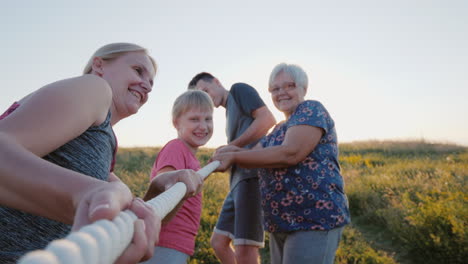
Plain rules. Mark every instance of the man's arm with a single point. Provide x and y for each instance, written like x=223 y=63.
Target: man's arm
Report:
x=263 y=121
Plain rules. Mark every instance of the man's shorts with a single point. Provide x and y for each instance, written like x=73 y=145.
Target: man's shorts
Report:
x=241 y=216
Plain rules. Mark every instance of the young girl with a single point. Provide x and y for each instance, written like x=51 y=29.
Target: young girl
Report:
x=192 y=115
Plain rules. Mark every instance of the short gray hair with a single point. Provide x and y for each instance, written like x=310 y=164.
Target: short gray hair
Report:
x=295 y=71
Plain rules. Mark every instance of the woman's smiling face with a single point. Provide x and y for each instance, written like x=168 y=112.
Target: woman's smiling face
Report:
x=131 y=79
x=285 y=94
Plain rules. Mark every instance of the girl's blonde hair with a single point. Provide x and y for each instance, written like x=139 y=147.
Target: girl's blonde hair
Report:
x=114 y=50
x=189 y=100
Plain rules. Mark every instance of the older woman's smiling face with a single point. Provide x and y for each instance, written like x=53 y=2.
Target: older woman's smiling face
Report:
x=285 y=94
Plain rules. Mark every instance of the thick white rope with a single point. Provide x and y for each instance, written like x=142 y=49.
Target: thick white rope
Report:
x=104 y=241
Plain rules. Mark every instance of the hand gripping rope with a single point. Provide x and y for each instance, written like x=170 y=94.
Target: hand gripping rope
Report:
x=104 y=241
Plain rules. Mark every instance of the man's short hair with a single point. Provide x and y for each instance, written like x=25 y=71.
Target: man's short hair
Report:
x=207 y=77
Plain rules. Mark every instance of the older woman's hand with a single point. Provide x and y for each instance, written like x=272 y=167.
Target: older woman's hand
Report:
x=226 y=159
x=227 y=148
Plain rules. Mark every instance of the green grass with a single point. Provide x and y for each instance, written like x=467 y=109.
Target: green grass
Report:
x=408 y=201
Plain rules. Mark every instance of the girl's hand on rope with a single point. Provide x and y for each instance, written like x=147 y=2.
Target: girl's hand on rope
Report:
x=164 y=181
x=193 y=181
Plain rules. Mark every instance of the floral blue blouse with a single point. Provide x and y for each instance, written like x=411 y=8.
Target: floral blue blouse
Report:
x=309 y=195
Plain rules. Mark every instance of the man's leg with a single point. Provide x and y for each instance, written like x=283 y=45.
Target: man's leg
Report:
x=247 y=254
x=222 y=248
x=248 y=221
x=224 y=232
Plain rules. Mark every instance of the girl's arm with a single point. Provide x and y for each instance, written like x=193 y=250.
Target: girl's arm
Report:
x=298 y=143
x=168 y=176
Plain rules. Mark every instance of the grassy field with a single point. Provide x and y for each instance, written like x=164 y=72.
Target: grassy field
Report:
x=408 y=201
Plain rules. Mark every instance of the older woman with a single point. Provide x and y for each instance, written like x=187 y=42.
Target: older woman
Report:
x=303 y=199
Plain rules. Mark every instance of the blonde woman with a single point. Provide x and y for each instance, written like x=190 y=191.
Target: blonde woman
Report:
x=58 y=149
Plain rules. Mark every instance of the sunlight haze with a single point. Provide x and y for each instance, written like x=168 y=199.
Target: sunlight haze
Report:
x=383 y=69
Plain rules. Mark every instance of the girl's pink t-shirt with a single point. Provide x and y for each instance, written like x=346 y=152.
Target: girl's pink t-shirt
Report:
x=180 y=232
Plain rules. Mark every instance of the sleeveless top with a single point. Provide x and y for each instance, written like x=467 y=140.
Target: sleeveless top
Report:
x=91 y=154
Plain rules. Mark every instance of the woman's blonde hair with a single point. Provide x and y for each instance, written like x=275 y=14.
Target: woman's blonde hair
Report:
x=114 y=50
x=189 y=100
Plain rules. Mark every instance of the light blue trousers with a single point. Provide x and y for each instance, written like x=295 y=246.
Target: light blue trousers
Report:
x=167 y=255
x=301 y=247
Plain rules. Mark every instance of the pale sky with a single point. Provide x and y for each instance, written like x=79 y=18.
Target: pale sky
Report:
x=383 y=69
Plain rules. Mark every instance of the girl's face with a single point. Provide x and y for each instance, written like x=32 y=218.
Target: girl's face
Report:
x=131 y=79
x=195 y=127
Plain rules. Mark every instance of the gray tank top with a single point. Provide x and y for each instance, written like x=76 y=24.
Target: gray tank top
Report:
x=91 y=153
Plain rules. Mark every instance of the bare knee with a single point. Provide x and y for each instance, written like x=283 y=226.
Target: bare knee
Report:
x=219 y=242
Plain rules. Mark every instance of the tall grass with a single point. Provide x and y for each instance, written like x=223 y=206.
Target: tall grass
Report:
x=214 y=191
x=415 y=193
x=408 y=201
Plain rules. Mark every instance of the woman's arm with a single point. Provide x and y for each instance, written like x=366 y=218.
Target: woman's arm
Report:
x=299 y=141
x=46 y=120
